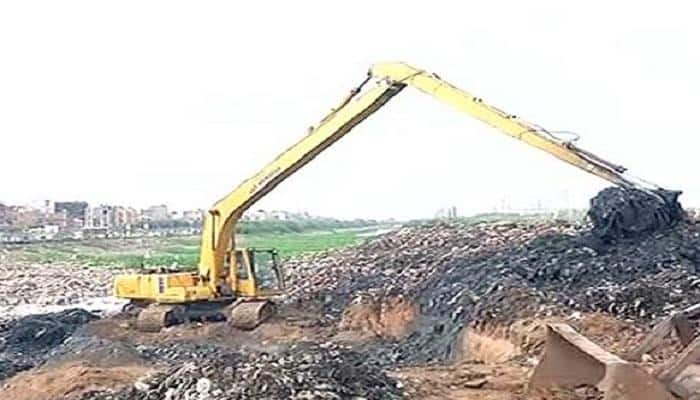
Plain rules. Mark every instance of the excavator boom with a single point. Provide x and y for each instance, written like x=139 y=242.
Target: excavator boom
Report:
x=383 y=82
x=226 y=272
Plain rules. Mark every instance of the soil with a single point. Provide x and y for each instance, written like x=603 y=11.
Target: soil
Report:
x=288 y=326
x=70 y=381
x=390 y=318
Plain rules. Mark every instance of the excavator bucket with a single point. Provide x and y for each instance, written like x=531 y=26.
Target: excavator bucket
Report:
x=571 y=361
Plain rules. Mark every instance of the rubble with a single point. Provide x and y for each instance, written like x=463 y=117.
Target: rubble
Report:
x=29 y=288
x=26 y=342
x=497 y=273
x=303 y=371
x=626 y=213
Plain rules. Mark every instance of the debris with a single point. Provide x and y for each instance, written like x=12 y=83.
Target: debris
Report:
x=26 y=342
x=497 y=273
x=624 y=213
x=28 y=288
x=303 y=371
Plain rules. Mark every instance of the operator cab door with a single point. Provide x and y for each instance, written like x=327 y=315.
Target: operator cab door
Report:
x=245 y=274
x=258 y=273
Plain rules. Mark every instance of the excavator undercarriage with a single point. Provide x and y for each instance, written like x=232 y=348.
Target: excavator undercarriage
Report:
x=159 y=300
x=245 y=315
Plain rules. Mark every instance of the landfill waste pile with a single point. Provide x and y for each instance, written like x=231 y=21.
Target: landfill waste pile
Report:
x=303 y=371
x=25 y=342
x=59 y=284
x=497 y=273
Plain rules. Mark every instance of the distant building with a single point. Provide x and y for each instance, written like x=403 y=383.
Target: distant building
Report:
x=4 y=215
x=25 y=217
x=275 y=215
x=156 y=213
x=446 y=213
x=255 y=215
x=279 y=215
x=193 y=216
x=106 y=216
x=44 y=232
x=72 y=209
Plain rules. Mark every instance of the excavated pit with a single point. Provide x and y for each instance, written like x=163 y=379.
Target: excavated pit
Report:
x=628 y=213
x=391 y=318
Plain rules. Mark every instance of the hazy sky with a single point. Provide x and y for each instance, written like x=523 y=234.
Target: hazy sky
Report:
x=142 y=102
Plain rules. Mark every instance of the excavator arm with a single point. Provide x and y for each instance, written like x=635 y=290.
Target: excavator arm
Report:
x=383 y=82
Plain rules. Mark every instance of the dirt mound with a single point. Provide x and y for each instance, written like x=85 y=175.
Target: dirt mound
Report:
x=488 y=347
x=40 y=332
x=70 y=381
x=626 y=213
x=94 y=351
x=27 y=341
x=80 y=364
x=302 y=371
x=497 y=343
x=387 y=318
x=464 y=382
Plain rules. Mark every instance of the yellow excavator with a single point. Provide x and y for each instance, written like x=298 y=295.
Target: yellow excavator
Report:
x=239 y=283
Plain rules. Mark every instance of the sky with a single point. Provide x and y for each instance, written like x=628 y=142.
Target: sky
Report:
x=149 y=102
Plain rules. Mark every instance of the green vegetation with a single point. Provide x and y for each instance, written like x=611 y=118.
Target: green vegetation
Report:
x=276 y=226
x=306 y=225
x=293 y=244
x=183 y=252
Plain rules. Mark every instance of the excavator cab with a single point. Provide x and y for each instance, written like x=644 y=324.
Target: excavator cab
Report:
x=258 y=273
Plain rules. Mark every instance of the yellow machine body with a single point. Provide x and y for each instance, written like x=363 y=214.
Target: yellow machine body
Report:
x=162 y=288
x=186 y=287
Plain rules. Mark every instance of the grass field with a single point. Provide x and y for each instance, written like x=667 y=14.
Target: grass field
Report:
x=180 y=251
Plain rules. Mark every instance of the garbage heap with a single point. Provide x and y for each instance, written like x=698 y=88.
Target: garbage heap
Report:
x=460 y=275
x=304 y=371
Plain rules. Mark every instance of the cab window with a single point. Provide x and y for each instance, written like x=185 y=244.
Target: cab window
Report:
x=265 y=270
x=242 y=271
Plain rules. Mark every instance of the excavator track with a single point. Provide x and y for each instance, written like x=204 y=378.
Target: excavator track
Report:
x=244 y=315
x=158 y=316
x=248 y=315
